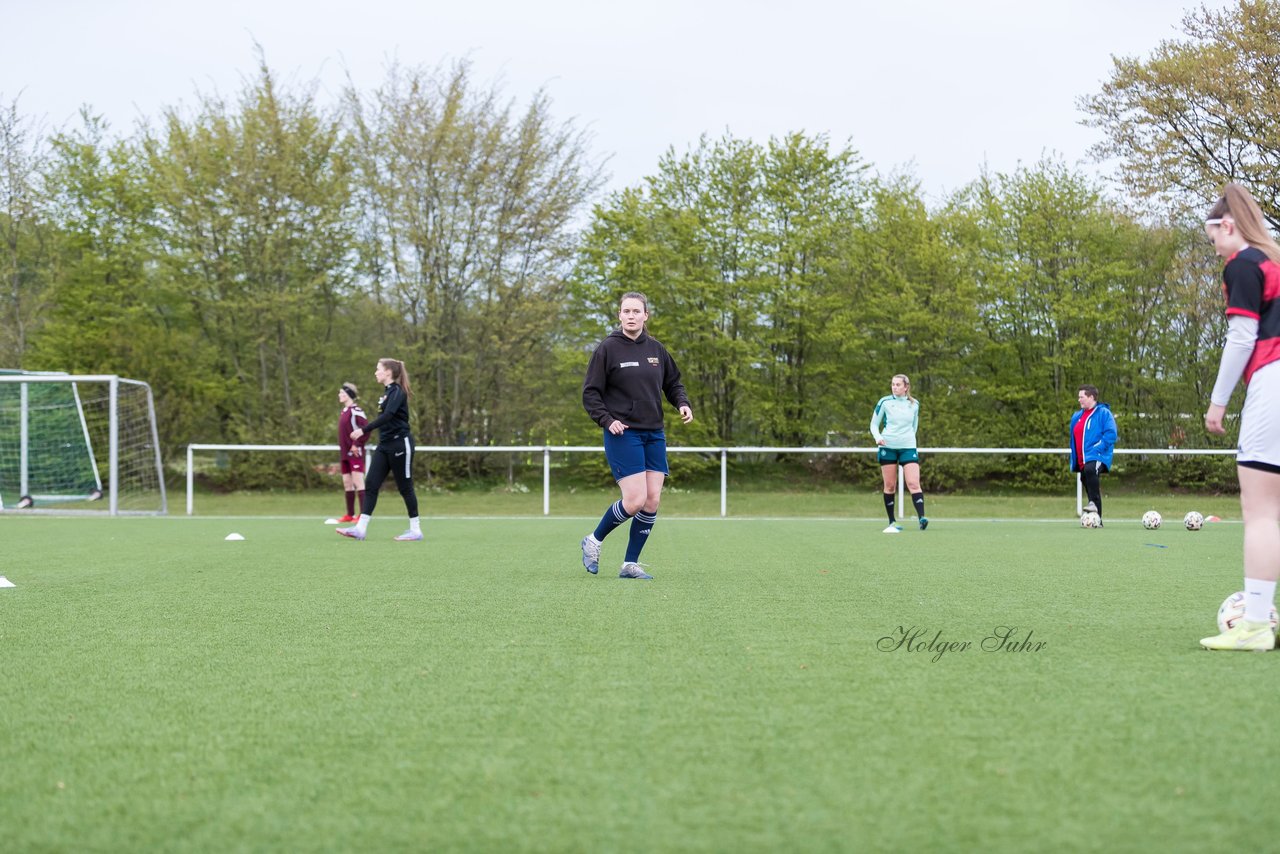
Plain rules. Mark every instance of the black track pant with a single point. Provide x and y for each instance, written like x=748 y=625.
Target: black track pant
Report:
x=395 y=457
x=1089 y=475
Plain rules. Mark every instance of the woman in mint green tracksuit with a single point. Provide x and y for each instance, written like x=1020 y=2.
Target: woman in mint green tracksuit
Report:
x=893 y=424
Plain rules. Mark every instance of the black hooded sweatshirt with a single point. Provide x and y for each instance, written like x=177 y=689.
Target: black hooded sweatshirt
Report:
x=627 y=379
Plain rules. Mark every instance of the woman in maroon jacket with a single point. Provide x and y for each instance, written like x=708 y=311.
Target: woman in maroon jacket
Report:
x=351 y=451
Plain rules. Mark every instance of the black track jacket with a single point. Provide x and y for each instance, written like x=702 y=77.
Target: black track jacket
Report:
x=393 y=422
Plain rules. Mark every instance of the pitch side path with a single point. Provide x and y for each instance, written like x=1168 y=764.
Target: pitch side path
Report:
x=790 y=685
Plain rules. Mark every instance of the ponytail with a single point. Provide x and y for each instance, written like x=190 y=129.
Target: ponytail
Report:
x=906 y=381
x=398 y=374
x=1237 y=203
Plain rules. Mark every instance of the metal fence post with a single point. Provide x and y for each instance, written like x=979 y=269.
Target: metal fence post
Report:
x=546 y=481
x=724 y=482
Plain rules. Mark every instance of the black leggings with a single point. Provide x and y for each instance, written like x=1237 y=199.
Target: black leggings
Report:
x=395 y=457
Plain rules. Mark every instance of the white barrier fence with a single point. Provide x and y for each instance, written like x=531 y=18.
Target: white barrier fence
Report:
x=548 y=450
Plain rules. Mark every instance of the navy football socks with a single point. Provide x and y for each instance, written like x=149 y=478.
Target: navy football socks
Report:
x=641 y=525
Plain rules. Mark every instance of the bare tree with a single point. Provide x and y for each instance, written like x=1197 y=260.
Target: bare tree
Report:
x=1199 y=112
x=22 y=230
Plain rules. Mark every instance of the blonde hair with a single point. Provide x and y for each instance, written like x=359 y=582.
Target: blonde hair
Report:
x=906 y=380
x=1237 y=203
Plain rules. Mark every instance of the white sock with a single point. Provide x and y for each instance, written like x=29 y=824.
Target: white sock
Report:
x=363 y=524
x=1259 y=597
x=415 y=525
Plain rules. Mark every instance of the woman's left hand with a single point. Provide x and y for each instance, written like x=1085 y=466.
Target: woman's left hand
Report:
x=686 y=414
x=356 y=434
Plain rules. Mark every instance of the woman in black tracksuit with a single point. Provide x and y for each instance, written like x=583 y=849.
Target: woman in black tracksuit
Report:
x=394 y=452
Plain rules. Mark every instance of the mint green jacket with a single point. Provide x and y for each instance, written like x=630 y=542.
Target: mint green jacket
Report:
x=900 y=417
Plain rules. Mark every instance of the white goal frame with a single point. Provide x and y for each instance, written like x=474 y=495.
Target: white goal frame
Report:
x=113 y=382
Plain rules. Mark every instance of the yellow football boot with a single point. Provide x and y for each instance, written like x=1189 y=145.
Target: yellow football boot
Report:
x=1245 y=636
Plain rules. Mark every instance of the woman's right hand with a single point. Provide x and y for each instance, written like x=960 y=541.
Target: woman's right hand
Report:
x=617 y=428
x=1213 y=419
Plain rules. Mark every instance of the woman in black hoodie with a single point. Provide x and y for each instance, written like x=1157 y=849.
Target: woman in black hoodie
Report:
x=627 y=377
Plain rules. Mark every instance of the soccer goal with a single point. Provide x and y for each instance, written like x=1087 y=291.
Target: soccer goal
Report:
x=79 y=443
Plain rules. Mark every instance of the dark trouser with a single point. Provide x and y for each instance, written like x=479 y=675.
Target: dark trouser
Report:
x=397 y=458
x=1092 y=485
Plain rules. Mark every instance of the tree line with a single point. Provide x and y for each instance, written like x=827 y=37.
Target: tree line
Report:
x=247 y=256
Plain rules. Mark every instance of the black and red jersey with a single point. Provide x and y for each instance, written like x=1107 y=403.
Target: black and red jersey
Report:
x=1251 y=285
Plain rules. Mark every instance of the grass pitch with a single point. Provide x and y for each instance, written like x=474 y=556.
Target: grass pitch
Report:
x=780 y=685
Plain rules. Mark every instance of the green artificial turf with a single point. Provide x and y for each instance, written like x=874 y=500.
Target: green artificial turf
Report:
x=164 y=689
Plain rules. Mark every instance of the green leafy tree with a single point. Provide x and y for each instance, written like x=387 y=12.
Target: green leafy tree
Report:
x=253 y=226
x=467 y=207
x=1072 y=289
x=909 y=305
x=734 y=244
x=689 y=241
x=101 y=305
x=812 y=206
x=107 y=310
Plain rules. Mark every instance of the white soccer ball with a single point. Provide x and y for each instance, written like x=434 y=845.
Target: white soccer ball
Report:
x=1232 y=612
x=1193 y=520
x=1089 y=519
x=1151 y=520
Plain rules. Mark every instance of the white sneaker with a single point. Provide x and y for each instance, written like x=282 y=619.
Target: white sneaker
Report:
x=591 y=554
x=633 y=570
x=893 y=529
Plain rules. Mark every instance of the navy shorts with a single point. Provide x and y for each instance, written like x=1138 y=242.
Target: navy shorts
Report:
x=898 y=456
x=636 y=451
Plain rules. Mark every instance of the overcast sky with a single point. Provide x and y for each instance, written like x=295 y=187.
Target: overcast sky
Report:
x=936 y=87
